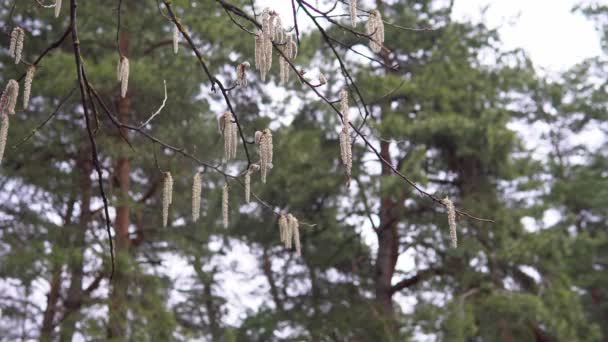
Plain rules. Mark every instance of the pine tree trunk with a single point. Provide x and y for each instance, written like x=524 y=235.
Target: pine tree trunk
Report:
x=388 y=243
x=76 y=263
x=122 y=169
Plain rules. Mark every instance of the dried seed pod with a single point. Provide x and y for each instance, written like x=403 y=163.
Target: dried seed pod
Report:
x=451 y=220
x=197 y=187
x=27 y=87
x=167 y=196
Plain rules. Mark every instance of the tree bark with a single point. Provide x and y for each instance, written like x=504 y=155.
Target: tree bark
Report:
x=76 y=263
x=122 y=170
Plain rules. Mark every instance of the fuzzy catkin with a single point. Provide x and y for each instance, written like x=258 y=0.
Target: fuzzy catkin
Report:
x=451 y=220
x=229 y=130
x=27 y=85
x=225 y=205
x=123 y=75
x=344 y=108
x=263 y=43
x=16 y=45
x=247 y=186
x=241 y=74
x=345 y=143
x=375 y=29
x=57 y=8
x=283 y=227
x=294 y=227
x=167 y=196
x=197 y=186
x=266 y=153
x=3 y=134
x=175 y=38
x=352 y=8
x=10 y=101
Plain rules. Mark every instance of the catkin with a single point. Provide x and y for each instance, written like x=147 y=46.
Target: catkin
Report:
x=241 y=74
x=167 y=196
x=123 y=75
x=16 y=45
x=265 y=151
x=290 y=51
x=247 y=186
x=197 y=186
x=375 y=30
x=57 y=8
x=225 y=205
x=451 y=220
x=175 y=39
x=283 y=227
x=345 y=143
x=352 y=7
x=9 y=100
x=263 y=43
x=3 y=134
x=27 y=85
x=229 y=129
x=294 y=227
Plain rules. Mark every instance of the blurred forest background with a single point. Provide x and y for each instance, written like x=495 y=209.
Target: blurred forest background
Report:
x=378 y=265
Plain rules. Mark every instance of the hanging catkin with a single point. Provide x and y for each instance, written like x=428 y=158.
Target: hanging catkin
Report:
x=225 y=205
x=451 y=220
x=16 y=45
x=8 y=102
x=167 y=196
x=123 y=75
x=290 y=51
x=345 y=143
x=264 y=139
x=197 y=187
x=57 y=8
x=241 y=74
x=27 y=85
x=283 y=227
x=352 y=8
x=263 y=43
x=175 y=38
x=375 y=30
x=294 y=227
x=3 y=134
x=247 y=186
x=228 y=128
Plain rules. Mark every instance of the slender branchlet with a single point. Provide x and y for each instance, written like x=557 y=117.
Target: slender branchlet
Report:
x=451 y=220
x=225 y=205
x=352 y=8
x=8 y=101
x=265 y=148
x=16 y=45
x=228 y=128
x=3 y=134
x=375 y=29
x=167 y=196
x=123 y=75
x=197 y=187
x=241 y=74
x=345 y=143
x=176 y=36
x=57 y=8
x=27 y=85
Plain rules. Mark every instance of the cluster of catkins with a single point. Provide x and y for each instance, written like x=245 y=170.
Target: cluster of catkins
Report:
x=15 y=50
x=228 y=128
x=375 y=30
x=272 y=32
x=289 y=229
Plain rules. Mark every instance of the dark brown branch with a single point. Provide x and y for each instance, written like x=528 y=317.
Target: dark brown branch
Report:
x=415 y=279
